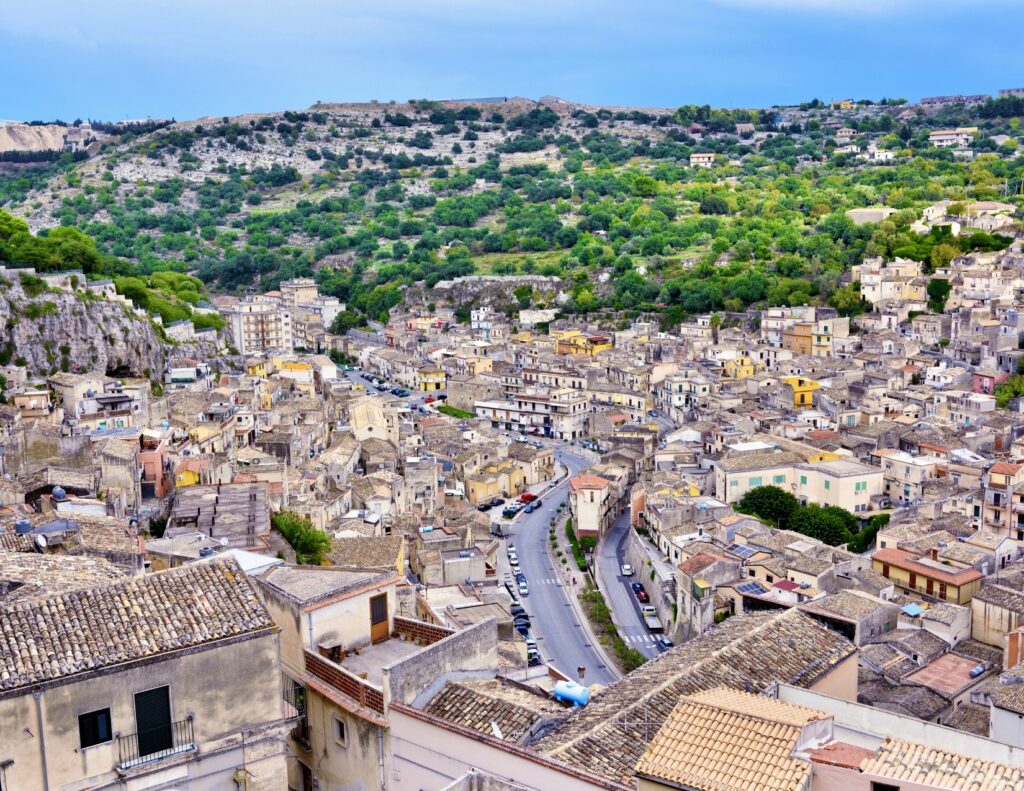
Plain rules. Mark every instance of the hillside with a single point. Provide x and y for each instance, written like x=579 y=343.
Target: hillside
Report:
x=371 y=198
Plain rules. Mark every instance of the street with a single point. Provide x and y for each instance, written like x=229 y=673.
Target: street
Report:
x=560 y=637
x=617 y=592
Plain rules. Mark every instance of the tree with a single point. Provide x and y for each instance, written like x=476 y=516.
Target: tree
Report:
x=824 y=524
x=714 y=204
x=847 y=300
x=938 y=292
x=769 y=503
x=310 y=544
x=715 y=323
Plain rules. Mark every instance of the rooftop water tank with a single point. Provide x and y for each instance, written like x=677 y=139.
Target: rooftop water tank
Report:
x=577 y=694
x=58 y=493
x=22 y=527
x=205 y=552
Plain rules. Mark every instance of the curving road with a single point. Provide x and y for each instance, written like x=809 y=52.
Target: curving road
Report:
x=617 y=591
x=561 y=639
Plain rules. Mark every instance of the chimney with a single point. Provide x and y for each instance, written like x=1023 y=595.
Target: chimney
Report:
x=933 y=553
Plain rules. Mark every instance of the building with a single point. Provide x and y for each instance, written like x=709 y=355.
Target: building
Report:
x=590 y=505
x=702 y=160
x=927 y=575
x=258 y=324
x=298 y=291
x=961 y=137
x=140 y=680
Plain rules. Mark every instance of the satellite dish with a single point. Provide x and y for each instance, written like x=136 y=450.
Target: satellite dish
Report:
x=223 y=542
x=41 y=542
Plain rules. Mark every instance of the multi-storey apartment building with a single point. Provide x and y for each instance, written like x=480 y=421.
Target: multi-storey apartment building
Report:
x=259 y=323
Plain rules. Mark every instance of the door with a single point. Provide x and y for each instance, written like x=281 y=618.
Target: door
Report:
x=153 y=720
x=379 y=618
x=930 y=587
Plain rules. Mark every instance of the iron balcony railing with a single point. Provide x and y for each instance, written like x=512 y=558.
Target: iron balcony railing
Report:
x=155 y=744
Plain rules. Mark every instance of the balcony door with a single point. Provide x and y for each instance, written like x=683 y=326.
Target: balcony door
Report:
x=379 y=618
x=153 y=720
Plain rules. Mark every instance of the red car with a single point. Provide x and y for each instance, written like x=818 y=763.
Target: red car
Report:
x=527 y=497
x=429 y=400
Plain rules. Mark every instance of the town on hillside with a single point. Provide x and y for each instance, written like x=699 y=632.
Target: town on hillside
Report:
x=446 y=551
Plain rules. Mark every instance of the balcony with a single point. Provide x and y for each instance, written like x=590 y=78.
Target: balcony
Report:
x=155 y=744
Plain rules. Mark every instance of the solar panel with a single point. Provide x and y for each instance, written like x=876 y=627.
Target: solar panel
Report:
x=751 y=588
x=741 y=550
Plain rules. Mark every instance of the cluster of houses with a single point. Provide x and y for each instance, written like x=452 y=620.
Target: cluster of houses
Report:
x=156 y=630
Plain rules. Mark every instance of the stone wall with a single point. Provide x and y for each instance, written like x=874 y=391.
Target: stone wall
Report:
x=462 y=655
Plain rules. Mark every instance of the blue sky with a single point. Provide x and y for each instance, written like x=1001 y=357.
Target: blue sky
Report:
x=113 y=59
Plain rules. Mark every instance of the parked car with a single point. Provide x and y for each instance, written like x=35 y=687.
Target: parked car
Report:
x=429 y=400
x=522 y=628
x=520 y=577
x=524 y=589
x=484 y=507
x=642 y=597
x=496 y=502
x=518 y=609
x=626 y=570
x=530 y=508
x=637 y=587
x=524 y=618
x=664 y=643
x=527 y=497
x=533 y=658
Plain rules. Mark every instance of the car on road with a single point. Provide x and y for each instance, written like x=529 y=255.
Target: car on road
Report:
x=533 y=657
x=513 y=557
x=637 y=586
x=496 y=502
x=429 y=400
x=664 y=643
x=527 y=497
x=518 y=609
x=626 y=570
x=530 y=508
x=642 y=596
x=484 y=507
x=522 y=618
x=522 y=628
x=524 y=589
x=520 y=577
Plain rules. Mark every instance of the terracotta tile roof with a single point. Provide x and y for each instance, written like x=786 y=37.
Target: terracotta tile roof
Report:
x=607 y=735
x=478 y=705
x=839 y=754
x=581 y=482
x=725 y=738
x=379 y=552
x=916 y=763
x=71 y=633
x=1005 y=468
x=970 y=718
x=905 y=560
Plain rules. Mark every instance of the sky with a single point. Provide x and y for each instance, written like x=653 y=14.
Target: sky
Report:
x=117 y=59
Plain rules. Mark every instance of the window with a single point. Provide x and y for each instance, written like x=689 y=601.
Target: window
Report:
x=734 y=483
x=94 y=728
x=779 y=479
x=769 y=578
x=803 y=480
x=340 y=732
x=827 y=485
x=884 y=787
x=755 y=481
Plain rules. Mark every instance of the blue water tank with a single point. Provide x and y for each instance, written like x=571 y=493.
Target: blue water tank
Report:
x=22 y=527
x=58 y=493
x=576 y=694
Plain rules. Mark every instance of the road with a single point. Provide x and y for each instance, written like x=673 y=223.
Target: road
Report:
x=560 y=637
x=617 y=591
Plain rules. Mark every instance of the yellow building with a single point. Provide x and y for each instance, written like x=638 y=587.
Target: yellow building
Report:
x=803 y=390
x=260 y=368
x=430 y=377
x=739 y=368
x=575 y=342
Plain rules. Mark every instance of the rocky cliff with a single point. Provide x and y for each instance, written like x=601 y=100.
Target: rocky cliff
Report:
x=60 y=330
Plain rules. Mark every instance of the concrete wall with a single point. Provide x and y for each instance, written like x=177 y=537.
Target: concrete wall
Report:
x=427 y=756
x=462 y=655
x=990 y=622
x=841 y=682
x=865 y=726
x=210 y=685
